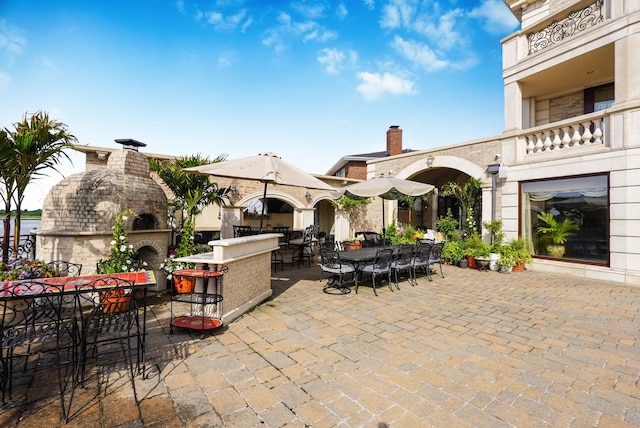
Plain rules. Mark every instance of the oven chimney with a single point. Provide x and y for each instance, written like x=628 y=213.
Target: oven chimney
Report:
x=394 y=140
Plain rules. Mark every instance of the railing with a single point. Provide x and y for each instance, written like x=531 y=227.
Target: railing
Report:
x=26 y=246
x=557 y=31
x=587 y=132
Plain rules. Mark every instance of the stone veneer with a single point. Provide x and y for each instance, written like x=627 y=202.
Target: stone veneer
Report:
x=77 y=213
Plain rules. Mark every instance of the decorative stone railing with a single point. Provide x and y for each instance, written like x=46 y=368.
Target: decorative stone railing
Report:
x=589 y=131
x=557 y=31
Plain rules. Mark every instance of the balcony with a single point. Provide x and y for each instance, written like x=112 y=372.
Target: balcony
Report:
x=588 y=131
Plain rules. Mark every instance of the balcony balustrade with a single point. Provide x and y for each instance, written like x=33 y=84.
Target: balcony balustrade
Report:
x=577 y=21
x=587 y=131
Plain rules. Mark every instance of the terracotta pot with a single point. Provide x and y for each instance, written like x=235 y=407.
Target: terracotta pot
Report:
x=184 y=284
x=355 y=245
x=114 y=301
x=472 y=262
x=518 y=267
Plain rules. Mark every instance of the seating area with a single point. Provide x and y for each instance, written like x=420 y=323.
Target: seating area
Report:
x=52 y=326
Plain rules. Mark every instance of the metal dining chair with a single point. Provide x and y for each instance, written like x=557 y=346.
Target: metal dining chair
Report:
x=114 y=319
x=420 y=261
x=402 y=262
x=64 y=268
x=380 y=267
x=332 y=265
x=38 y=319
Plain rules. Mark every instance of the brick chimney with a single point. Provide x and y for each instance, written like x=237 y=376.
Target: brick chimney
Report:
x=394 y=140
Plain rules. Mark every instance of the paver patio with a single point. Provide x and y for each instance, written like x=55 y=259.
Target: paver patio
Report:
x=475 y=349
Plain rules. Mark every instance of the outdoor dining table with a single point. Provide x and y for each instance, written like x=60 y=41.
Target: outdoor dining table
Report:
x=12 y=290
x=364 y=255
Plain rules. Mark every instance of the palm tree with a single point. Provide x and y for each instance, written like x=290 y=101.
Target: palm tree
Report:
x=468 y=195
x=191 y=192
x=38 y=144
x=8 y=183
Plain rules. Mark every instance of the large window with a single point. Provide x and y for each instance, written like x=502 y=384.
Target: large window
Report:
x=583 y=201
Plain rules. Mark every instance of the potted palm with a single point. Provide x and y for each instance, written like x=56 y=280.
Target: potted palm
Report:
x=557 y=232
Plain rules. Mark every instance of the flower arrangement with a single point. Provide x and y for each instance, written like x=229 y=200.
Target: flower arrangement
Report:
x=24 y=269
x=123 y=257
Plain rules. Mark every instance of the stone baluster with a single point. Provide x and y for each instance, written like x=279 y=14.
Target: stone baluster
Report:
x=547 y=140
x=531 y=145
x=575 y=138
x=566 y=139
x=556 y=139
x=539 y=143
x=597 y=132
x=586 y=135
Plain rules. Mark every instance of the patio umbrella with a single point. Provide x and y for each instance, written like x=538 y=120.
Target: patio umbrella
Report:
x=385 y=188
x=266 y=168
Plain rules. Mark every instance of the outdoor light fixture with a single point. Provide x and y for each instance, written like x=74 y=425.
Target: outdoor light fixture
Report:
x=429 y=161
x=234 y=190
x=307 y=195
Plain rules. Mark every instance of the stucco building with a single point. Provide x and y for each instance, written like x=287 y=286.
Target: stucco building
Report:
x=571 y=143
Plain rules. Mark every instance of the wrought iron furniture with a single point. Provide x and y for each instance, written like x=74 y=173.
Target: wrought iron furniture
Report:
x=204 y=300
x=420 y=261
x=36 y=320
x=305 y=252
x=283 y=242
x=64 y=268
x=402 y=262
x=435 y=258
x=370 y=239
x=114 y=318
x=241 y=230
x=337 y=269
x=380 y=267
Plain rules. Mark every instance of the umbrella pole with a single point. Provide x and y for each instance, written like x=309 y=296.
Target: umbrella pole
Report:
x=384 y=229
x=264 y=202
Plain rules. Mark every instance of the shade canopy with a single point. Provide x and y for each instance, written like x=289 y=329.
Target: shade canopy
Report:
x=384 y=187
x=266 y=168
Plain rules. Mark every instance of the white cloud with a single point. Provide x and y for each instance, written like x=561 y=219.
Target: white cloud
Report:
x=45 y=63
x=180 y=6
x=5 y=79
x=371 y=4
x=341 y=11
x=309 y=10
x=397 y=14
x=498 y=18
x=11 y=41
x=279 y=37
x=375 y=85
x=226 y=59
x=334 y=60
x=419 y=53
x=229 y=22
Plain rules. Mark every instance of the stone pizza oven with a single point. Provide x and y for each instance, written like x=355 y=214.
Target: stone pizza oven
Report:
x=77 y=212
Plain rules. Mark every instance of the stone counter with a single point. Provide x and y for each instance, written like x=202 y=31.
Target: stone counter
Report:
x=247 y=282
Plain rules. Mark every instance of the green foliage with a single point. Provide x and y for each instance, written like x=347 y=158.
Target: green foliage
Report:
x=475 y=247
x=345 y=203
x=447 y=225
x=123 y=257
x=402 y=234
x=468 y=195
x=497 y=235
x=513 y=253
x=557 y=231
x=453 y=250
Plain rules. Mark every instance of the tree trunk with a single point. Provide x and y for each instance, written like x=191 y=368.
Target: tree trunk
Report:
x=16 y=234
x=7 y=232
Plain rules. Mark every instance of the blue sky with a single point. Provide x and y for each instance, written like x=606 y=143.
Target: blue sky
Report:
x=309 y=80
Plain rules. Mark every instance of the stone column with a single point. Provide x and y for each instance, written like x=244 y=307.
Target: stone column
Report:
x=229 y=215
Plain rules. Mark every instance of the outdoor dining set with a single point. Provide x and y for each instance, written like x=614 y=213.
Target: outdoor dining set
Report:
x=53 y=327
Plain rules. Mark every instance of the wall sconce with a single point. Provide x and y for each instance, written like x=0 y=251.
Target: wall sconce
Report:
x=307 y=195
x=429 y=161
x=234 y=190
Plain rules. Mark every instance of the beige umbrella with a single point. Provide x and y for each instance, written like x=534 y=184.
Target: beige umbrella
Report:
x=267 y=168
x=384 y=187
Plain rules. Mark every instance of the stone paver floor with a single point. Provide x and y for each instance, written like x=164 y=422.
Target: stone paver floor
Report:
x=475 y=349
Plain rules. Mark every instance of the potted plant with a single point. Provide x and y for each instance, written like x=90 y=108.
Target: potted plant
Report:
x=497 y=236
x=520 y=253
x=475 y=248
x=557 y=232
x=453 y=252
x=507 y=260
x=352 y=244
x=447 y=225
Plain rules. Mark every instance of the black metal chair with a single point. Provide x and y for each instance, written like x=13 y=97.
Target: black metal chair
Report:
x=402 y=262
x=241 y=230
x=304 y=251
x=435 y=258
x=114 y=319
x=370 y=239
x=337 y=269
x=283 y=242
x=64 y=268
x=380 y=267
x=38 y=319
x=420 y=261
